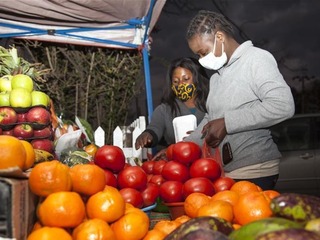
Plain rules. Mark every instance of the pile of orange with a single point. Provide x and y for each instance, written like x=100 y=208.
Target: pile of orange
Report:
x=244 y=202
x=76 y=203
x=16 y=153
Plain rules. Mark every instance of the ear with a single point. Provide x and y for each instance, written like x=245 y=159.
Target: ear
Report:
x=220 y=36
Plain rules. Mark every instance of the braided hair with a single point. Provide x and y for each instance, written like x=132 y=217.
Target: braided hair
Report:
x=208 y=22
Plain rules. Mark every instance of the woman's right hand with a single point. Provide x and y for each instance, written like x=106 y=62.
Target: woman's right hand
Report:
x=144 y=139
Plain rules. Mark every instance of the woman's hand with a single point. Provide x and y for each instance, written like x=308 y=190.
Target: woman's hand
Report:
x=162 y=154
x=214 y=132
x=144 y=139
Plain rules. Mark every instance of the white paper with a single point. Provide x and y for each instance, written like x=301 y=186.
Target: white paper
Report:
x=182 y=125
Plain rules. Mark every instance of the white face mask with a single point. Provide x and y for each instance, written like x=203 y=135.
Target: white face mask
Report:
x=211 y=62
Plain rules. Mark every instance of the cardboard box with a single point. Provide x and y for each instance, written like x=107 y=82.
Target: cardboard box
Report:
x=17 y=208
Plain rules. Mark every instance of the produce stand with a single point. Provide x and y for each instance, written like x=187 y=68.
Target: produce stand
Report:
x=124 y=24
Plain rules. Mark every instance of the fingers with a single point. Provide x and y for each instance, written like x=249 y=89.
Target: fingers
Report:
x=143 y=140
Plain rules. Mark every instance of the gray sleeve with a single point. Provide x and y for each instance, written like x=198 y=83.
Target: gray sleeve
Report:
x=196 y=135
x=157 y=123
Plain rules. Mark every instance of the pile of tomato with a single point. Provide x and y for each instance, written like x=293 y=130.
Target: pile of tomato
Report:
x=183 y=172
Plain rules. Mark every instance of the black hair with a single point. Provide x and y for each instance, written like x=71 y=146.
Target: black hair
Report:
x=208 y=22
x=200 y=80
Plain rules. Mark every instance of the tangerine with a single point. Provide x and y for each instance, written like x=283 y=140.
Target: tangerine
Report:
x=133 y=225
x=271 y=193
x=107 y=205
x=182 y=219
x=193 y=202
x=166 y=226
x=62 y=209
x=251 y=206
x=30 y=155
x=49 y=177
x=227 y=195
x=12 y=152
x=49 y=233
x=217 y=208
x=93 y=229
x=87 y=179
x=244 y=186
x=154 y=234
x=91 y=149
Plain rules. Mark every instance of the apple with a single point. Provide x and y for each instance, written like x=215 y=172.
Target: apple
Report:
x=38 y=115
x=8 y=116
x=4 y=99
x=7 y=132
x=20 y=97
x=22 y=117
x=23 y=131
x=5 y=83
x=22 y=81
x=43 y=144
x=39 y=98
x=46 y=132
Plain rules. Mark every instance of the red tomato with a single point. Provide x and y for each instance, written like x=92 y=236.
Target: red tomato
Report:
x=175 y=171
x=133 y=177
x=157 y=179
x=205 y=167
x=186 y=152
x=158 y=166
x=133 y=196
x=171 y=191
x=147 y=166
x=111 y=179
x=169 y=152
x=150 y=194
x=110 y=157
x=200 y=184
x=223 y=183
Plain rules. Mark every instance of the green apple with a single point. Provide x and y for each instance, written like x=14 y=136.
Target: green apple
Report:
x=5 y=83
x=4 y=99
x=20 y=97
x=39 y=98
x=22 y=81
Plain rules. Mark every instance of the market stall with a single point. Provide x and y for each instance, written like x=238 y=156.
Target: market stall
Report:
x=103 y=23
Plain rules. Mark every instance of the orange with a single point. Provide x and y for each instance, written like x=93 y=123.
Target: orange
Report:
x=236 y=226
x=133 y=225
x=182 y=219
x=36 y=226
x=87 y=179
x=107 y=205
x=30 y=155
x=154 y=234
x=49 y=177
x=271 y=193
x=244 y=186
x=93 y=229
x=166 y=226
x=61 y=209
x=193 y=202
x=12 y=152
x=251 y=206
x=50 y=233
x=91 y=149
x=217 y=208
x=227 y=195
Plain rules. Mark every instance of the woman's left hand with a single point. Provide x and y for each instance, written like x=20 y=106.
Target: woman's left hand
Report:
x=214 y=132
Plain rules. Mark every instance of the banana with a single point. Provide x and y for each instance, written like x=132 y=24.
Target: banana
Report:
x=42 y=156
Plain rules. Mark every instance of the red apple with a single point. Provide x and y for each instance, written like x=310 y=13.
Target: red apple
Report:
x=46 y=132
x=8 y=116
x=22 y=117
x=23 y=131
x=43 y=144
x=38 y=115
x=7 y=132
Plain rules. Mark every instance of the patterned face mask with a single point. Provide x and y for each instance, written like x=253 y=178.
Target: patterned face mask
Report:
x=184 y=91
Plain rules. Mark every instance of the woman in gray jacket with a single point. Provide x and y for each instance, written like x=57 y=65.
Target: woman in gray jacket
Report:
x=247 y=95
x=185 y=92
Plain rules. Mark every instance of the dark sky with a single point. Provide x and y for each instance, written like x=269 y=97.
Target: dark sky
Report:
x=289 y=29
